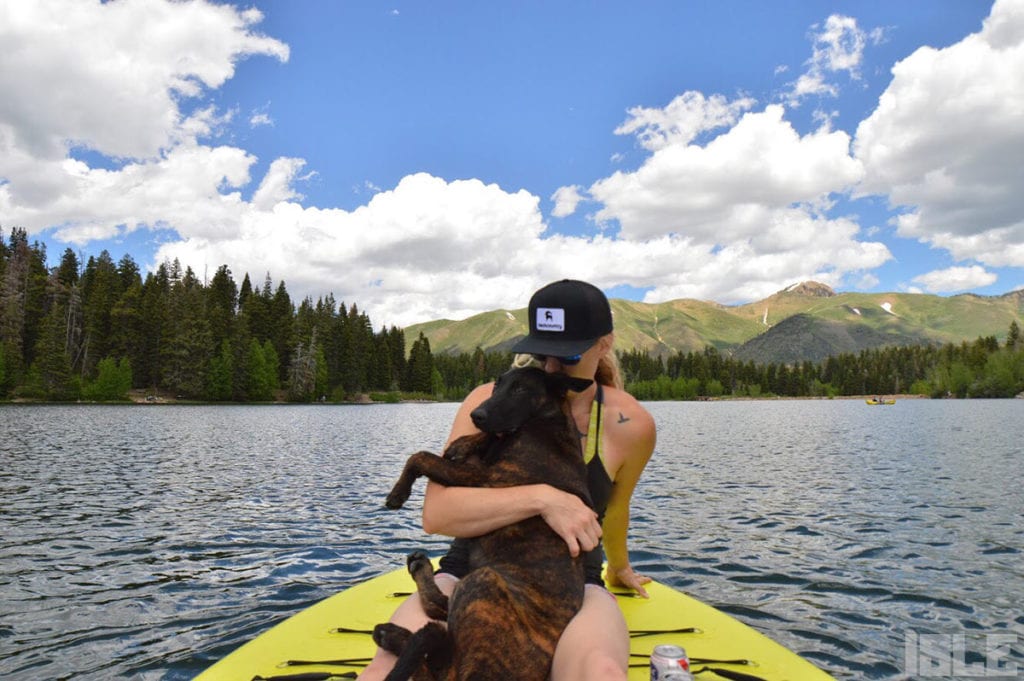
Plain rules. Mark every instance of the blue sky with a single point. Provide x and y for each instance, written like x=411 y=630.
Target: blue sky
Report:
x=434 y=160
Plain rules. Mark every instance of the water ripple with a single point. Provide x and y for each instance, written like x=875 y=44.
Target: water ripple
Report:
x=147 y=542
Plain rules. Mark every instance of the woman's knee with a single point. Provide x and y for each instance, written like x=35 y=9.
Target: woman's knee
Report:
x=595 y=645
x=604 y=666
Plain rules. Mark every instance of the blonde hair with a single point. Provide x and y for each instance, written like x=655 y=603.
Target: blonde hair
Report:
x=608 y=371
x=523 y=360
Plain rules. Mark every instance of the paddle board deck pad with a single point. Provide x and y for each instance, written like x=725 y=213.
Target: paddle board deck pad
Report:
x=331 y=639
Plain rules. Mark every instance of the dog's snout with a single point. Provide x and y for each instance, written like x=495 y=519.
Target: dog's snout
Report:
x=479 y=417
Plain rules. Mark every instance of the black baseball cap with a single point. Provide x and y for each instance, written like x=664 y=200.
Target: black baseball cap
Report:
x=566 y=318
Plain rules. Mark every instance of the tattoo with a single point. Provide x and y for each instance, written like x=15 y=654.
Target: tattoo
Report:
x=623 y=418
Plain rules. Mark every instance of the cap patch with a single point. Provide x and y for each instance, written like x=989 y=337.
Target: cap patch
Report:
x=550 y=319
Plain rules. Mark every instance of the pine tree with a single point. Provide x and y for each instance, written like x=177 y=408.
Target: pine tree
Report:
x=281 y=318
x=185 y=346
x=273 y=365
x=52 y=365
x=67 y=271
x=113 y=381
x=244 y=292
x=101 y=288
x=4 y=388
x=260 y=375
x=153 y=315
x=221 y=372
x=1013 y=340
x=126 y=328
x=128 y=272
x=12 y=306
x=221 y=305
x=419 y=377
x=36 y=294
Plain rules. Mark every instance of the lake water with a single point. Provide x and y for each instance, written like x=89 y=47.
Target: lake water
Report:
x=149 y=541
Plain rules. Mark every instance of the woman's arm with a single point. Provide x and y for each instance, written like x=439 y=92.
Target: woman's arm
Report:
x=638 y=440
x=472 y=511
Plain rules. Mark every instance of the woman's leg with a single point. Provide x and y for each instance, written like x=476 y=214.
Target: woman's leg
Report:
x=595 y=645
x=411 y=616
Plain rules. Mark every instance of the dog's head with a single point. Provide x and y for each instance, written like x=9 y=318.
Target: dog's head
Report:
x=523 y=394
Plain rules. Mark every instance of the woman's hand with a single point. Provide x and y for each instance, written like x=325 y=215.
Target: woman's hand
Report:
x=571 y=519
x=625 y=576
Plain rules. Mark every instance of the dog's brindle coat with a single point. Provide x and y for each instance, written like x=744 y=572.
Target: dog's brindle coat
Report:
x=506 y=615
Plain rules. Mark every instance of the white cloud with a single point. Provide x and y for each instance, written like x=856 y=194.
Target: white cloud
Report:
x=946 y=143
x=431 y=249
x=838 y=46
x=115 y=72
x=426 y=249
x=117 y=78
x=193 y=189
x=737 y=218
x=955 y=279
x=679 y=123
x=566 y=199
x=261 y=119
x=277 y=184
x=722 y=191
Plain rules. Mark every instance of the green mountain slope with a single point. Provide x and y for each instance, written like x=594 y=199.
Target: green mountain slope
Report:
x=807 y=321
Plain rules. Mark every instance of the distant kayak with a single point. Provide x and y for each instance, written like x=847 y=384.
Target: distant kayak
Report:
x=331 y=639
x=877 y=401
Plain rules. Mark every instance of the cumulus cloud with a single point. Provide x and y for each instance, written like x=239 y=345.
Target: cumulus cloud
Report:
x=430 y=249
x=119 y=77
x=687 y=116
x=736 y=217
x=954 y=279
x=425 y=249
x=566 y=199
x=721 y=190
x=946 y=143
x=277 y=184
x=192 y=188
x=116 y=72
x=838 y=46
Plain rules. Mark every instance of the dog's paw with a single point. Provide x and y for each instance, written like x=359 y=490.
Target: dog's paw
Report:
x=391 y=637
x=396 y=499
x=417 y=560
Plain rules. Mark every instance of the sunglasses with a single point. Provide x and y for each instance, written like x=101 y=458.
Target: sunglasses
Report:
x=564 y=361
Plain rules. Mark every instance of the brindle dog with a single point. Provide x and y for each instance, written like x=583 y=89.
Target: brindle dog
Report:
x=506 y=615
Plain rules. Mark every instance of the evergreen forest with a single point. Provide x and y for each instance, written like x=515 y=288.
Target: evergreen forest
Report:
x=100 y=331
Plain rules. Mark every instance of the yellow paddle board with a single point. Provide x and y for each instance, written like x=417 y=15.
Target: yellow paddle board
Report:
x=331 y=639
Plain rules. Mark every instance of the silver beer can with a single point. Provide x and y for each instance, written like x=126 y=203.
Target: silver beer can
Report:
x=670 y=663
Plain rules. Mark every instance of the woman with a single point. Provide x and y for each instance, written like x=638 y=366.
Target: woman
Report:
x=571 y=332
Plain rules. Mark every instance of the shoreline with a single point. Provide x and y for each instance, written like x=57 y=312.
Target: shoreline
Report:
x=147 y=398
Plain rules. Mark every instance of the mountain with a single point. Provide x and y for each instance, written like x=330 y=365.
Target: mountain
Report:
x=806 y=321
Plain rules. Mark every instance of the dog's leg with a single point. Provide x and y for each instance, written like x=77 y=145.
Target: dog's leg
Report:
x=435 y=603
x=439 y=470
x=467 y=446
x=430 y=646
x=413 y=469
